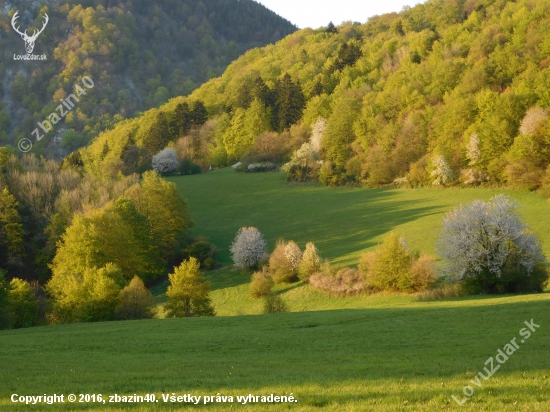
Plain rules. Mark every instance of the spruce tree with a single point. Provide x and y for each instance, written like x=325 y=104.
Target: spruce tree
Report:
x=290 y=103
x=158 y=135
x=261 y=92
x=200 y=114
x=181 y=120
x=331 y=28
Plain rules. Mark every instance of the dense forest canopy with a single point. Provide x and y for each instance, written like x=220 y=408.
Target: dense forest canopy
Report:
x=447 y=91
x=138 y=53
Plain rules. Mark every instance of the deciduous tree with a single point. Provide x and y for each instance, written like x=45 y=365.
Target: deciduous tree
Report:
x=487 y=244
x=188 y=292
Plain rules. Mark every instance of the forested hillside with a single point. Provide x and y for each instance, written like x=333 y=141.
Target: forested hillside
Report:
x=447 y=92
x=138 y=53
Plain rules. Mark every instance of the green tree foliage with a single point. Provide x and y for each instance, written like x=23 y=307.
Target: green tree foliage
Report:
x=23 y=304
x=11 y=230
x=331 y=28
x=348 y=54
x=289 y=103
x=166 y=212
x=90 y=296
x=98 y=238
x=310 y=263
x=188 y=291
x=260 y=284
x=158 y=135
x=199 y=115
x=392 y=267
x=181 y=120
x=397 y=91
x=4 y=302
x=135 y=301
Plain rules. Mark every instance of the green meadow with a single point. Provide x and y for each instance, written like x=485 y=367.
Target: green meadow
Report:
x=342 y=222
x=411 y=357
x=382 y=352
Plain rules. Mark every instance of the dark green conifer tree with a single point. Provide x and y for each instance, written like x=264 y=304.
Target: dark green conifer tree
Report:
x=158 y=135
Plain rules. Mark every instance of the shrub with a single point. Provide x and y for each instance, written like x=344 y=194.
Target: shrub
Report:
x=283 y=262
x=203 y=251
x=248 y=247
x=165 y=161
x=274 y=304
x=392 y=267
x=487 y=245
x=135 y=301
x=441 y=172
x=423 y=272
x=346 y=282
x=444 y=291
x=261 y=167
x=303 y=166
x=187 y=167
x=310 y=263
x=261 y=284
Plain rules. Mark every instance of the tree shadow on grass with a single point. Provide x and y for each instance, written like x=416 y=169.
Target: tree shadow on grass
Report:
x=341 y=222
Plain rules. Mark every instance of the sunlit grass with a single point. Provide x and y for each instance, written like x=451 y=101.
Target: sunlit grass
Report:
x=392 y=356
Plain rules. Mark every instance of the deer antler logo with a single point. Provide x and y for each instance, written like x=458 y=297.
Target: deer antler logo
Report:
x=29 y=40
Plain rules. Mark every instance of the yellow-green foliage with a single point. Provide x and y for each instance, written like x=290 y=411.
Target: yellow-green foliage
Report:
x=310 y=263
x=392 y=267
x=420 y=83
x=188 y=291
x=95 y=239
x=260 y=284
x=283 y=262
x=135 y=301
x=89 y=296
x=23 y=304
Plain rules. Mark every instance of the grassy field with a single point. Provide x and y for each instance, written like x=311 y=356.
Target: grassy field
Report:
x=342 y=222
x=412 y=357
x=377 y=353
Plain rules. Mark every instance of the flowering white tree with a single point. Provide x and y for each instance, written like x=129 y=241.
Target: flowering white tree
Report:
x=165 y=161
x=441 y=172
x=293 y=254
x=310 y=263
x=482 y=236
x=248 y=247
x=303 y=164
x=533 y=116
x=317 y=130
x=473 y=153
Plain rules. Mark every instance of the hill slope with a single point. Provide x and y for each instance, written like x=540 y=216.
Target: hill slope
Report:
x=457 y=84
x=139 y=54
